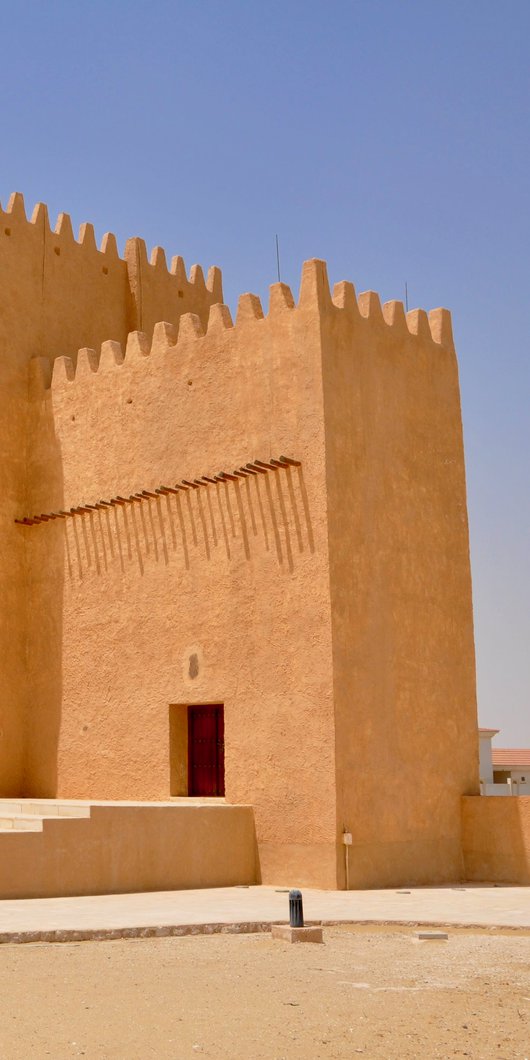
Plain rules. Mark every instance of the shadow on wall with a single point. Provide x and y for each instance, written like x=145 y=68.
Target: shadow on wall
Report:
x=44 y=622
x=270 y=509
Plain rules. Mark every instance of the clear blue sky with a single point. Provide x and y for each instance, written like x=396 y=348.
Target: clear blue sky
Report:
x=391 y=138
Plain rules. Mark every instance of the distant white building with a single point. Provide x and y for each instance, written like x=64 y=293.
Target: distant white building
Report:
x=511 y=764
x=503 y=770
x=485 y=736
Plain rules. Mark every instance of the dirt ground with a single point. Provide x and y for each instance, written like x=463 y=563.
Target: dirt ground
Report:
x=372 y=993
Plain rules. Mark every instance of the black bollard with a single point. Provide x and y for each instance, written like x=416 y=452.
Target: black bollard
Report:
x=296 y=909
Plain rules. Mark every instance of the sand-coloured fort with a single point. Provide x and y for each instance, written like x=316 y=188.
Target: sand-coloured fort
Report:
x=234 y=555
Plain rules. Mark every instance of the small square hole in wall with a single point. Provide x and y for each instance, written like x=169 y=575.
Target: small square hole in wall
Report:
x=105 y=270
x=7 y=231
x=181 y=294
x=57 y=250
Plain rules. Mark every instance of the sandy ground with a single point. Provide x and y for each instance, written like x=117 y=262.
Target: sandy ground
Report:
x=371 y=993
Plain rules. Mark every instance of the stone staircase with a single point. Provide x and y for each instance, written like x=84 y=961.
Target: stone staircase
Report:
x=28 y=815
x=58 y=847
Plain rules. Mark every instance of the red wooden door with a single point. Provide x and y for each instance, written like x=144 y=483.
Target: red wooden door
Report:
x=206 y=763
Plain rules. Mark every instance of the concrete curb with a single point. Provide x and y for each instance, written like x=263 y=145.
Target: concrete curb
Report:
x=247 y=927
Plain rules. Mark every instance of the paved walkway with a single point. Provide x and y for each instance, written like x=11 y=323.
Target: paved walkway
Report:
x=254 y=908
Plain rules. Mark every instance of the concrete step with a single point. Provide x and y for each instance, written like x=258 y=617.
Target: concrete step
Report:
x=123 y=847
x=44 y=808
x=14 y=823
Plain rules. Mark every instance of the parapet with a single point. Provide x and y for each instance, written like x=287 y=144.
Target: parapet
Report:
x=363 y=312
x=73 y=291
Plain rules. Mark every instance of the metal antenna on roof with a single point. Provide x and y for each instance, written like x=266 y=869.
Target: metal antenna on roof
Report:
x=278 y=257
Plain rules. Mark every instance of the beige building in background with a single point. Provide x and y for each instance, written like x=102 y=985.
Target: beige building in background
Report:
x=295 y=635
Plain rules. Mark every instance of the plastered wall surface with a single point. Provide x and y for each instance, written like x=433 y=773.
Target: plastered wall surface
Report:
x=327 y=605
x=58 y=294
x=121 y=849
x=496 y=838
x=403 y=651
x=233 y=575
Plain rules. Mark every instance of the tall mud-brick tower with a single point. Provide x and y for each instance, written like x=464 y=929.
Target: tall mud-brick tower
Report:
x=240 y=563
x=57 y=295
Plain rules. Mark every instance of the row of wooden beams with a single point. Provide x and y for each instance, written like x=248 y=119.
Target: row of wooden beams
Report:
x=255 y=467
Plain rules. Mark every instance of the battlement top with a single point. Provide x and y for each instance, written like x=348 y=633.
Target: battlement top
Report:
x=13 y=220
x=365 y=310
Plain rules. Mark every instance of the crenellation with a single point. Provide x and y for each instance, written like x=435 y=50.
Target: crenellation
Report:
x=394 y=315
x=214 y=283
x=138 y=346
x=314 y=286
x=40 y=218
x=249 y=307
x=63 y=372
x=441 y=327
x=63 y=227
x=135 y=253
x=87 y=236
x=365 y=307
x=87 y=363
x=158 y=258
x=434 y=326
x=164 y=336
x=280 y=298
x=370 y=307
x=418 y=324
x=220 y=318
x=197 y=276
x=178 y=269
x=345 y=298
x=190 y=327
x=109 y=245
x=16 y=206
x=111 y=355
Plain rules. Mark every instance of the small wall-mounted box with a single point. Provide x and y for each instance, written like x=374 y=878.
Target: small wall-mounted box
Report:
x=347 y=839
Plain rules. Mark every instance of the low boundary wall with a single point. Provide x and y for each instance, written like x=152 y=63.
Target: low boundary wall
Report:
x=128 y=848
x=496 y=838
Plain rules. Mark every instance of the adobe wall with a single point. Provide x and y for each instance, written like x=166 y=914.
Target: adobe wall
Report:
x=403 y=652
x=496 y=838
x=327 y=606
x=126 y=848
x=57 y=294
x=220 y=594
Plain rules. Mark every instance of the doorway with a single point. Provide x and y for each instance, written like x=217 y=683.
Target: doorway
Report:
x=206 y=750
